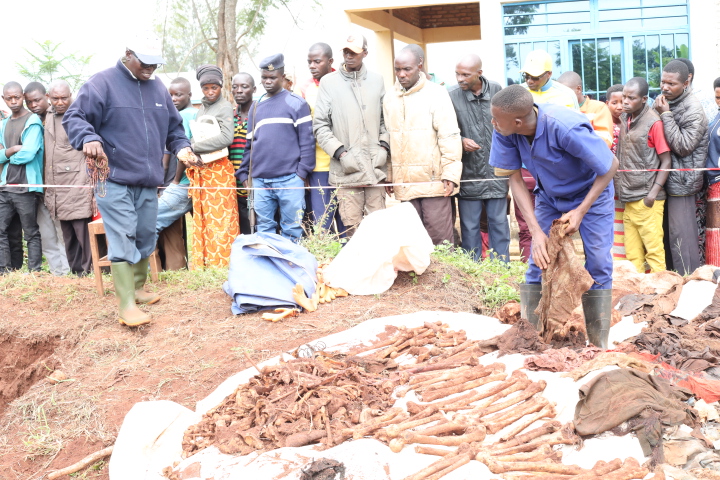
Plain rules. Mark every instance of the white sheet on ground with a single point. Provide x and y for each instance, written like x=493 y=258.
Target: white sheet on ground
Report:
x=386 y=241
x=695 y=296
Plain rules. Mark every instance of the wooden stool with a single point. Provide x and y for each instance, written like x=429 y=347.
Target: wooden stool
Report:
x=98 y=228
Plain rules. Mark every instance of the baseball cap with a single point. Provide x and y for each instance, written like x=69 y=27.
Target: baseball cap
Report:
x=537 y=62
x=147 y=48
x=356 y=43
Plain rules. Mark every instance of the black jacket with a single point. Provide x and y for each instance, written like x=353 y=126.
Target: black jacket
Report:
x=473 y=115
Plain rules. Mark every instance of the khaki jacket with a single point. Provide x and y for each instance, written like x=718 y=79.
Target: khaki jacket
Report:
x=65 y=166
x=425 y=142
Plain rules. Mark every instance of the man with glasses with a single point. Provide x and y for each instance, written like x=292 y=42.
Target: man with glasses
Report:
x=126 y=116
x=537 y=72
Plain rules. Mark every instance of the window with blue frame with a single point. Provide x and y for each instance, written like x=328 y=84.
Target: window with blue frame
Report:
x=605 y=41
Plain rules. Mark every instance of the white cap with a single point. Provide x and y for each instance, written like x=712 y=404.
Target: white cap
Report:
x=147 y=48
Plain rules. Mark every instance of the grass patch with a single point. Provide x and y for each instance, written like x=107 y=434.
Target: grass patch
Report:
x=322 y=243
x=200 y=279
x=496 y=280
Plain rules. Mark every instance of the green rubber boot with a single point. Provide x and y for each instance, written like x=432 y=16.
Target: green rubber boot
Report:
x=140 y=273
x=123 y=278
x=597 y=306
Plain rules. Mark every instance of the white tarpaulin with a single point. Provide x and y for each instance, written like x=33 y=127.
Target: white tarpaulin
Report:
x=387 y=241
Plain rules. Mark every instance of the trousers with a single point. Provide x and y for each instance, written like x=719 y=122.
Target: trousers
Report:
x=290 y=202
x=644 y=235
x=52 y=243
x=323 y=203
x=355 y=202
x=497 y=226
x=77 y=245
x=25 y=206
x=436 y=215
x=682 y=234
x=129 y=214
x=596 y=231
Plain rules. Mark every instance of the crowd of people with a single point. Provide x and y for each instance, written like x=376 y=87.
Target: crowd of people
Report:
x=329 y=153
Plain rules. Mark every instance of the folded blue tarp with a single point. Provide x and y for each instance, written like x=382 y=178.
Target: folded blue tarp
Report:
x=264 y=268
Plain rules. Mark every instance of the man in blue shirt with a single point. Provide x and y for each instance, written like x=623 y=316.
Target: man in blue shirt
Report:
x=573 y=169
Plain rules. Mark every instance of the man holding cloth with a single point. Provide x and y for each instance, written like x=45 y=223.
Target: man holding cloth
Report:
x=573 y=169
x=125 y=115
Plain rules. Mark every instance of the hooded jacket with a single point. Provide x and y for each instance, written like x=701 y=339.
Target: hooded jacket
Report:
x=349 y=117
x=65 y=166
x=473 y=117
x=424 y=139
x=134 y=120
x=685 y=132
x=30 y=155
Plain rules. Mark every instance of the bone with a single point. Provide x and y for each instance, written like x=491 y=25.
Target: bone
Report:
x=630 y=469
x=544 y=467
x=547 y=411
x=543 y=453
x=545 y=429
x=444 y=429
x=562 y=437
x=510 y=386
x=394 y=431
x=425 y=380
x=434 y=467
x=495 y=424
x=531 y=390
x=425 y=450
x=445 y=392
x=473 y=434
x=460 y=460
x=374 y=424
x=465 y=377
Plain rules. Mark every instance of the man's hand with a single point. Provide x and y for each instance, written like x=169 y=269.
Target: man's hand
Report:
x=539 y=249
x=189 y=158
x=449 y=187
x=93 y=150
x=244 y=184
x=469 y=145
x=661 y=104
x=12 y=150
x=649 y=201
x=389 y=189
x=573 y=219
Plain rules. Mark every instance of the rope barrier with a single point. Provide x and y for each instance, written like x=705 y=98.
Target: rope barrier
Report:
x=29 y=185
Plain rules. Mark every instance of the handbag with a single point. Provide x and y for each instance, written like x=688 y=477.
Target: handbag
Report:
x=205 y=128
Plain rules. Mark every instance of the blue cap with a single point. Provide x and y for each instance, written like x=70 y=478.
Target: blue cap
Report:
x=273 y=62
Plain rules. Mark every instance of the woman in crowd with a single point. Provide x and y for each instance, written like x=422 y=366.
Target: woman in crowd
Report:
x=215 y=213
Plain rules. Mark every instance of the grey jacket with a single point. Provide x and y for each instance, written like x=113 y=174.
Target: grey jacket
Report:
x=473 y=116
x=685 y=132
x=223 y=111
x=349 y=117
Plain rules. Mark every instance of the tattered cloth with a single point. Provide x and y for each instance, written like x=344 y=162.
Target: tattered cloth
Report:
x=620 y=395
x=563 y=283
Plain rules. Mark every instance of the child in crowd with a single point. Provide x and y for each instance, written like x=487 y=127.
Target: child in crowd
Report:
x=614 y=103
x=642 y=146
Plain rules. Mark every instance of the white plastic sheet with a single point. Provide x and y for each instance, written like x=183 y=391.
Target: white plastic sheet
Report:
x=386 y=241
x=695 y=296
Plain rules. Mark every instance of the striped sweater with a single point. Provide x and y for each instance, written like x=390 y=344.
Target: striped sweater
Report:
x=237 y=148
x=279 y=138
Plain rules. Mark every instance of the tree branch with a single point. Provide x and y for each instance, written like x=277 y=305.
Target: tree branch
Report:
x=202 y=29
x=187 y=55
x=252 y=22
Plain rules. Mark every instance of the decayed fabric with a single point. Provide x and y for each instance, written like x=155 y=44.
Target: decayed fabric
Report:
x=522 y=337
x=215 y=213
x=648 y=403
x=610 y=358
x=560 y=359
x=668 y=343
x=563 y=283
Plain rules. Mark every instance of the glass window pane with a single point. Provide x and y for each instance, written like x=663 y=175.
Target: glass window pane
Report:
x=575 y=56
x=620 y=25
x=616 y=49
x=525 y=48
x=553 y=48
x=604 y=64
x=568 y=27
x=664 y=11
x=639 y=57
x=603 y=4
x=568 y=6
x=589 y=61
x=667 y=46
x=681 y=45
x=652 y=44
x=519 y=9
x=630 y=13
x=568 y=17
x=512 y=62
x=664 y=2
x=670 y=22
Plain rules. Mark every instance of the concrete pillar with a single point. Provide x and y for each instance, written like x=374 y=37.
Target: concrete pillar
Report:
x=427 y=60
x=385 y=56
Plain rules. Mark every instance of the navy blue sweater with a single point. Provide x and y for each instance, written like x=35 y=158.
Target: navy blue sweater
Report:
x=134 y=120
x=713 y=155
x=280 y=138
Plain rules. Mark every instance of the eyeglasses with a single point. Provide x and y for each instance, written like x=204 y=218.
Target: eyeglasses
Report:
x=145 y=65
x=527 y=77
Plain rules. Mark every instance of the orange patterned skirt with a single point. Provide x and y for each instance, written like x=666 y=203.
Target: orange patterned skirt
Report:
x=215 y=213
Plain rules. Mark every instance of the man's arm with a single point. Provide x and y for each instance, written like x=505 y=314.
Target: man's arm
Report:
x=306 y=141
x=32 y=142
x=322 y=124
x=685 y=138
x=449 y=143
x=179 y=171
x=81 y=118
x=574 y=217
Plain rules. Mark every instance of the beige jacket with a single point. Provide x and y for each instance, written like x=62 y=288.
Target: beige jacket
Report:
x=425 y=142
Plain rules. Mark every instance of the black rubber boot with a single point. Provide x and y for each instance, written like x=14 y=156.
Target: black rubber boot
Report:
x=597 y=306
x=530 y=294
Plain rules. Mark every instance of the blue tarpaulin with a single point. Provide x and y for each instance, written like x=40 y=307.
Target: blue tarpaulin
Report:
x=264 y=268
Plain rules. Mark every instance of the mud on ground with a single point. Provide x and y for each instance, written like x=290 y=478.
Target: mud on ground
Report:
x=52 y=324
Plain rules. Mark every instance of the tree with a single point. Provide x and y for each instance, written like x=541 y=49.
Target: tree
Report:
x=50 y=64
x=214 y=31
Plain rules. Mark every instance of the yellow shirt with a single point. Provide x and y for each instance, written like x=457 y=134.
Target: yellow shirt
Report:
x=322 y=159
x=600 y=118
x=555 y=93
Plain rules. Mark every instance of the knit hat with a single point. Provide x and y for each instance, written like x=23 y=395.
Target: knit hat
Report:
x=209 y=74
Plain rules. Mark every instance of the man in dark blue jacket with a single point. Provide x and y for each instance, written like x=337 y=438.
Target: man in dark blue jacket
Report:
x=126 y=115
